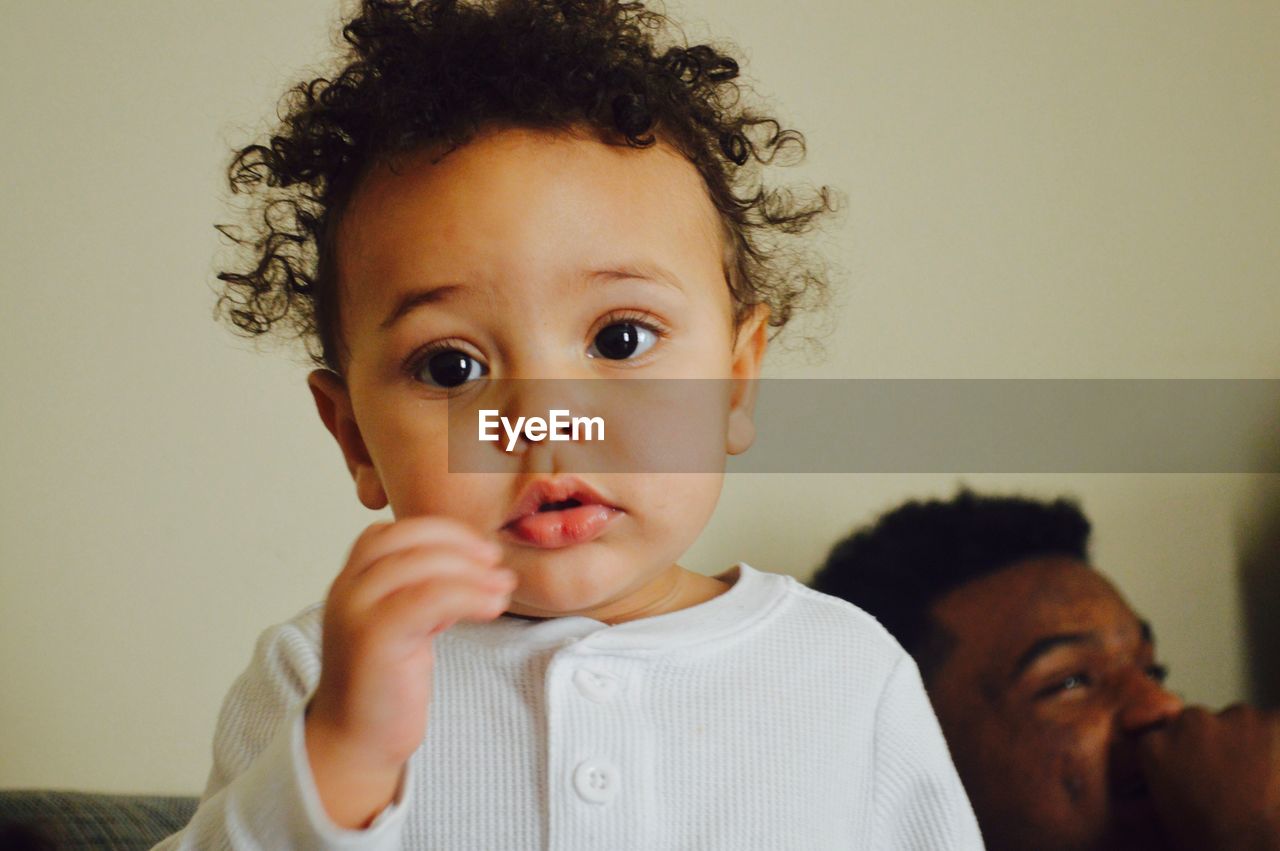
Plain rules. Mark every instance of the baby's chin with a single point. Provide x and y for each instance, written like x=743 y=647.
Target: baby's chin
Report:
x=553 y=599
x=554 y=589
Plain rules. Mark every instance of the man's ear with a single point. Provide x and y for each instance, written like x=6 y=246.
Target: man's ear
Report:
x=750 y=341
x=334 y=404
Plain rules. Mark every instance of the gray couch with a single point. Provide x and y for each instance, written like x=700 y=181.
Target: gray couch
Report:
x=47 y=820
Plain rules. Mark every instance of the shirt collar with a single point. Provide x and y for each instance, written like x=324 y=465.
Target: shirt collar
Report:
x=748 y=599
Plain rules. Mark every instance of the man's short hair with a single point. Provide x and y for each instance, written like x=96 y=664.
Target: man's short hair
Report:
x=915 y=554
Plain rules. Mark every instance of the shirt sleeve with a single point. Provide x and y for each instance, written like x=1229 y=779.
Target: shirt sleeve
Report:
x=261 y=794
x=920 y=802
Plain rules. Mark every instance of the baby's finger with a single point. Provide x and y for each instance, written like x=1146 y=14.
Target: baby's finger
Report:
x=381 y=539
x=420 y=611
x=413 y=566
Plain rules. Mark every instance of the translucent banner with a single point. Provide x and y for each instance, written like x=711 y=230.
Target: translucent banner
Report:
x=866 y=425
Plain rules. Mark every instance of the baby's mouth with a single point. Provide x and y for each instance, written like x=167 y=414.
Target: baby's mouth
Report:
x=558 y=506
x=555 y=513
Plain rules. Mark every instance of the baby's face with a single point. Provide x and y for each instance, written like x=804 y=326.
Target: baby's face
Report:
x=534 y=256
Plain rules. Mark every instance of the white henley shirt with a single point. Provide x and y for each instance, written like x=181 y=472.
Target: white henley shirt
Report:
x=769 y=717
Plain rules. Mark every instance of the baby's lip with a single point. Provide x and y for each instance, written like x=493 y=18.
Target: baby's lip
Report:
x=559 y=489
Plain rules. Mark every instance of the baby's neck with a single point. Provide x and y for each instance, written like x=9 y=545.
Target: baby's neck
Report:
x=677 y=588
x=686 y=589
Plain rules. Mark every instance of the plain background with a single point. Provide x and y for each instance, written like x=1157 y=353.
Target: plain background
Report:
x=1067 y=190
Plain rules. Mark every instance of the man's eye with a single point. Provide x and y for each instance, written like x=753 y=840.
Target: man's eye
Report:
x=451 y=368
x=1159 y=673
x=1074 y=682
x=622 y=340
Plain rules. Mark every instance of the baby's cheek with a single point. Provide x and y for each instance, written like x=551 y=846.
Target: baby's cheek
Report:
x=659 y=426
x=683 y=499
x=473 y=499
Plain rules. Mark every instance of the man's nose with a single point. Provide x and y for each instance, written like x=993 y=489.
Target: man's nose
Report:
x=1146 y=703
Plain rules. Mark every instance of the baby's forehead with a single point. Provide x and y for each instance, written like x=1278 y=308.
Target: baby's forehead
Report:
x=519 y=204
x=512 y=173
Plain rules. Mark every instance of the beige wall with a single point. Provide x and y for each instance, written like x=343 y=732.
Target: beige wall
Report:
x=1087 y=189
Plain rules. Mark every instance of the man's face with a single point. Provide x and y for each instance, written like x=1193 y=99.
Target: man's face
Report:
x=532 y=255
x=1049 y=681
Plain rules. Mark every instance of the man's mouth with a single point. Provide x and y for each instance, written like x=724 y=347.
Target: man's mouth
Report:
x=1129 y=789
x=1126 y=781
x=559 y=512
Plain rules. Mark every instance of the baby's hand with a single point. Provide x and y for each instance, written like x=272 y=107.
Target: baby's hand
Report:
x=404 y=583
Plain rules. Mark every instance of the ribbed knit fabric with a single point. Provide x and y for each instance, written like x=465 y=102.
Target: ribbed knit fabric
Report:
x=769 y=717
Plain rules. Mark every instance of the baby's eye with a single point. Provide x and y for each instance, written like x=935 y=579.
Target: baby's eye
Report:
x=451 y=368
x=622 y=340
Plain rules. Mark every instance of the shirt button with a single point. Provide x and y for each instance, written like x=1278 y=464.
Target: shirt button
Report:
x=595 y=686
x=596 y=781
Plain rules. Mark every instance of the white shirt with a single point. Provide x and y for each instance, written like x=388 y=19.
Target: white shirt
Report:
x=769 y=717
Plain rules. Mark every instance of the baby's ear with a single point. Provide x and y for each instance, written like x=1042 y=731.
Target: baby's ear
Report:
x=750 y=341
x=334 y=404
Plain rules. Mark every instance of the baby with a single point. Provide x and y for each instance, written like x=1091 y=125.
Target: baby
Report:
x=536 y=189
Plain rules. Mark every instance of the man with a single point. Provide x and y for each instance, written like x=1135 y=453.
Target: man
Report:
x=1047 y=687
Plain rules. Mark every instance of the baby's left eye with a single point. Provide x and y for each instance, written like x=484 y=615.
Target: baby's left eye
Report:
x=622 y=340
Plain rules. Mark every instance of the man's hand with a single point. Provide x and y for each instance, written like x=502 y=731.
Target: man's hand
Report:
x=1215 y=778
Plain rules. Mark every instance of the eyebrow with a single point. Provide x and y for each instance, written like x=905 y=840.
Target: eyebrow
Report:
x=1049 y=643
x=643 y=271
x=1041 y=646
x=415 y=299
x=639 y=271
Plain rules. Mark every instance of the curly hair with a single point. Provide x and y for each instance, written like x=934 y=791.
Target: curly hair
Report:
x=436 y=73
x=913 y=555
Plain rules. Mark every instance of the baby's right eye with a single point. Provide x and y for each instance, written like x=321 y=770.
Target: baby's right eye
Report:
x=450 y=368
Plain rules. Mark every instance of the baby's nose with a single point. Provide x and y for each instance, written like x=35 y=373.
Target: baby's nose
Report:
x=538 y=397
